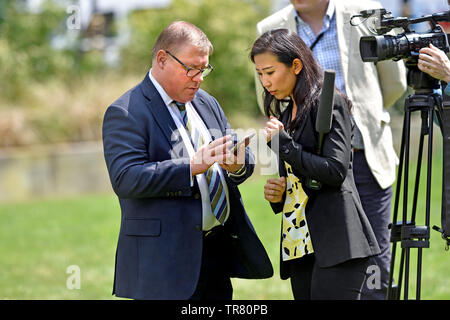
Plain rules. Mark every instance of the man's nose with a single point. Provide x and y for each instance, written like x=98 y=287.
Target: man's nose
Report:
x=198 y=77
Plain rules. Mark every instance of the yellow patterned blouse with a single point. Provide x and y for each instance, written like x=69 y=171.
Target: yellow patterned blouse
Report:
x=296 y=240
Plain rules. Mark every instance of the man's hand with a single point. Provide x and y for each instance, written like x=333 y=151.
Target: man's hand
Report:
x=234 y=162
x=435 y=62
x=207 y=155
x=274 y=189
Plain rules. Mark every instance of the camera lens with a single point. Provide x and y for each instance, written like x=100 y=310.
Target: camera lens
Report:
x=368 y=49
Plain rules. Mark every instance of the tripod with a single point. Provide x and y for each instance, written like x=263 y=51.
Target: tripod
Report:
x=410 y=235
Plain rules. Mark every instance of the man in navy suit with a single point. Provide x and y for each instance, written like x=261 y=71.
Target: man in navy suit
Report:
x=167 y=149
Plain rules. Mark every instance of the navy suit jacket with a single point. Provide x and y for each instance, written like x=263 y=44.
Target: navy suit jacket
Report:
x=159 y=249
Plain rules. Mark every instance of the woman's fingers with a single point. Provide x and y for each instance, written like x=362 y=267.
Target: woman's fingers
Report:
x=275 y=187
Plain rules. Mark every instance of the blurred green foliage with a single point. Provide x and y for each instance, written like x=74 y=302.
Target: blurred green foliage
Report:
x=231 y=27
x=50 y=95
x=26 y=55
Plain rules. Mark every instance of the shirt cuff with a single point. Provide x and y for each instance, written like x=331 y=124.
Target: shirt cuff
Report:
x=238 y=174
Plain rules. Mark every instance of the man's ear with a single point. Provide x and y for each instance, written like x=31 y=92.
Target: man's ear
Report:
x=161 y=59
x=297 y=66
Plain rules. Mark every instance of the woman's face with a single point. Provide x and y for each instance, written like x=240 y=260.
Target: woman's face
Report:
x=275 y=76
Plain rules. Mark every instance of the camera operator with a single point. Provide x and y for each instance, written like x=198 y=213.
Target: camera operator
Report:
x=435 y=62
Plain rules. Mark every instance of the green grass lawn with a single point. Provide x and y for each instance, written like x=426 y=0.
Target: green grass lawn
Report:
x=40 y=239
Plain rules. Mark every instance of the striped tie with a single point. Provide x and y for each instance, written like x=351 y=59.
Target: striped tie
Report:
x=219 y=205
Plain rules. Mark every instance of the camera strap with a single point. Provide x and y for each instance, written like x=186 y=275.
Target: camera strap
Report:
x=320 y=36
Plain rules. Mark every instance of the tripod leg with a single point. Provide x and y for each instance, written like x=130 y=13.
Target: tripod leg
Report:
x=430 y=164
x=423 y=132
x=405 y=197
x=400 y=275
x=419 y=272
x=391 y=295
x=428 y=198
x=407 y=258
x=410 y=235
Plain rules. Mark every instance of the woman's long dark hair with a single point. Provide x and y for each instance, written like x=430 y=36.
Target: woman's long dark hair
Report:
x=287 y=46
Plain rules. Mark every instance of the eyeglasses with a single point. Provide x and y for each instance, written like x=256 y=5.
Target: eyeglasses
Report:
x=193 y=72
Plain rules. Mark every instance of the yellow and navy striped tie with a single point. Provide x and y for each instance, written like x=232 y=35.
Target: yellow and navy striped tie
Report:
x=217 y=195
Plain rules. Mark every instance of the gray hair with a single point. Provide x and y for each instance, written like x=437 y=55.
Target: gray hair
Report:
x=179 y=34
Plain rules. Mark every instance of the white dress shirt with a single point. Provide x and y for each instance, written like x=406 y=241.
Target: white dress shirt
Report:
x=209 y=220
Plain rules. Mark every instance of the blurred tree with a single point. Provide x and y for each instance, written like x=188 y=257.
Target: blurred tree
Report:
x=231 y=27
x=52 y=95
x=25 y=52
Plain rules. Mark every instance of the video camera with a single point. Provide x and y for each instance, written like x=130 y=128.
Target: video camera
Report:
x=405 y=45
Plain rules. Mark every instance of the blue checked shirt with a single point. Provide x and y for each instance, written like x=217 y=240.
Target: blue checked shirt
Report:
x=447 y=89
x=326 y=52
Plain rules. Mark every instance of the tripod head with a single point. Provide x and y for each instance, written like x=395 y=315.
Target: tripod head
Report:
x=420 y=81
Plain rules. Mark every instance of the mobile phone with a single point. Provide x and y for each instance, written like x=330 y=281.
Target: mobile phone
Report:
x=245 y=140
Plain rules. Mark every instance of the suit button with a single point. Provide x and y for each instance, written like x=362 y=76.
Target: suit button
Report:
x=198 y=228
x=197 y=196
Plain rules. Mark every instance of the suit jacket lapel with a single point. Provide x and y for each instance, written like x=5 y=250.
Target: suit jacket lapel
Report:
x=205 y=112
x=160 y=113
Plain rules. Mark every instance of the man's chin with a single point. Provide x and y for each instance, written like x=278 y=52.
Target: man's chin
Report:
x=191 y=94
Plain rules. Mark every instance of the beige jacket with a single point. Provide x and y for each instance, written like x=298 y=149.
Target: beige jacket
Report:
x=371 y=88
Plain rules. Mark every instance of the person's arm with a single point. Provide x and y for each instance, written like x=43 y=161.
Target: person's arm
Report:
x=331 y=167
x=434 y=62
x=131 y=172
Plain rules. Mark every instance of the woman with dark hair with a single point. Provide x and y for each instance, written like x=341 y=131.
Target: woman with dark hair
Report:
x=326 y=237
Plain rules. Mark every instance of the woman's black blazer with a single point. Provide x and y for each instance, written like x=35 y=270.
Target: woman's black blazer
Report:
x=339 y=228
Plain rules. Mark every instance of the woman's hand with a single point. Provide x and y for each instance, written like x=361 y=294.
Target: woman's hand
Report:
x=274 y=189
x=273 y=126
